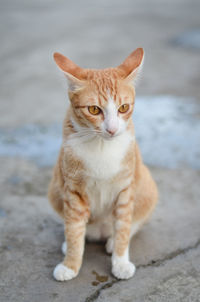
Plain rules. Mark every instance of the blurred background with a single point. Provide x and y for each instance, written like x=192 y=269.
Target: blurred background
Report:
x=98 y=35
x=33 y=101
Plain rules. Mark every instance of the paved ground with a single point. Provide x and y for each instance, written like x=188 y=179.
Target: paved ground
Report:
x=32 y=102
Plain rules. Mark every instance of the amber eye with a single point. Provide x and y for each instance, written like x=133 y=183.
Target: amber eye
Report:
x=94 y=110
x=123 y=108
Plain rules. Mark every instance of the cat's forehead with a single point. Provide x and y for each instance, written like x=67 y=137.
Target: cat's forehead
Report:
x=104 y=74
x=107 y=84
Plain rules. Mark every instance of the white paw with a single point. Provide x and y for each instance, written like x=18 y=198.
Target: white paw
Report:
x=109 y=245
x=62 y=273
x=64 y=248
x=123 y=270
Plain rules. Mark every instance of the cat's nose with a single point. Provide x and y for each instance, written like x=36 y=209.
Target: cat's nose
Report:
x=111 y=131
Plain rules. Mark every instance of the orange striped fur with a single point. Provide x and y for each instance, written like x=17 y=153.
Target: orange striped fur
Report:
x=100 y=186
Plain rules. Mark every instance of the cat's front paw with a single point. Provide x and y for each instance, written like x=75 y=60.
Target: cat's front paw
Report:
x=123 y=270
x=63 y=273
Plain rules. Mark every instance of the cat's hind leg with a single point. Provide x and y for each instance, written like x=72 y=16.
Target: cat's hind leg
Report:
x=56 y=198
x=145 y=200
x=64 y=247
x=109 y=245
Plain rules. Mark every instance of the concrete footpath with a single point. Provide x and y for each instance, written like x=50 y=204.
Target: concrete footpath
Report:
x=166 y=251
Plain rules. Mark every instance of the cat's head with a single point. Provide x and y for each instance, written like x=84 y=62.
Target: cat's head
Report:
x=102 y=101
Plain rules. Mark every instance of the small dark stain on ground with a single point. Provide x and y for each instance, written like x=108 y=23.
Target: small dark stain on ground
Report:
x=99 y=279
x=95 y=283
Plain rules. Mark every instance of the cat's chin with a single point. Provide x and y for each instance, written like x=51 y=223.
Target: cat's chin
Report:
x=110 y=138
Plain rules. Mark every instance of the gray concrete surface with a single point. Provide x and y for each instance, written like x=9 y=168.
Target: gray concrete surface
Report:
x=32 y=106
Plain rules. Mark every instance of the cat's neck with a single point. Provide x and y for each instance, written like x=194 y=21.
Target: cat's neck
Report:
x=101 y=158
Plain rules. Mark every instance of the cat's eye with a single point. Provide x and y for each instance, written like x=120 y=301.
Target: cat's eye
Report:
x=94 y=110
x=123 y=108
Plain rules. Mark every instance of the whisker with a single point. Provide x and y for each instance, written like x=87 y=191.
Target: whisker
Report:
x=86 y=132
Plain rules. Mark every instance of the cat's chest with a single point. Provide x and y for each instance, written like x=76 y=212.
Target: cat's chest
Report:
x=103 y=159
x=102 y=194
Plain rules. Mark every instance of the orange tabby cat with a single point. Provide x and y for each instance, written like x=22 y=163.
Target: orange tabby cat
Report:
x=100 y=186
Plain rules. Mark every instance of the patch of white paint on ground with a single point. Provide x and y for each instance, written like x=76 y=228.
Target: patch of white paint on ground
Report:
x=190 y=39
x=168 y=131
x=33 y=142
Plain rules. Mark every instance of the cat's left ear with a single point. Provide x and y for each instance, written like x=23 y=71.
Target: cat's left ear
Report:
x=74 y=74
x=132 y=65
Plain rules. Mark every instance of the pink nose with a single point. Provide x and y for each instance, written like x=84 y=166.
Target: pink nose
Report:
x=111 y=131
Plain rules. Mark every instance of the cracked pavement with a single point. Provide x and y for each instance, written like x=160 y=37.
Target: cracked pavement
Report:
x=166 y=251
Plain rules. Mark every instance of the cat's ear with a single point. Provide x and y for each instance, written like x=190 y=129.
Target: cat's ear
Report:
x=74 y=74
x=132 y=64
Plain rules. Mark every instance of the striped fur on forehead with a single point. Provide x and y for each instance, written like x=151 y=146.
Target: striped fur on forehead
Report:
x=106 y=83
x=101 y=86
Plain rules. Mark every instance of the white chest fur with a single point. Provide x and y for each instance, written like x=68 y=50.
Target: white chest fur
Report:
x=102 y=194
x=102 y=159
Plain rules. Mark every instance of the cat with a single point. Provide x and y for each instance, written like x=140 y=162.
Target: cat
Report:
x=100 y=186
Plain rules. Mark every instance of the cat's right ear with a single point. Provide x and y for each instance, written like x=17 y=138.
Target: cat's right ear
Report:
x=132 y=65
x=74 y=74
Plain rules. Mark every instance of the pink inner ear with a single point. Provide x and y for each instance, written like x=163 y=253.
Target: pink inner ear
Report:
x=68 y=66
x=132 y=61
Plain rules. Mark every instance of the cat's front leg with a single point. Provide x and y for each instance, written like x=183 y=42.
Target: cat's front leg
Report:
x=122 y=268
x=76 y=213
